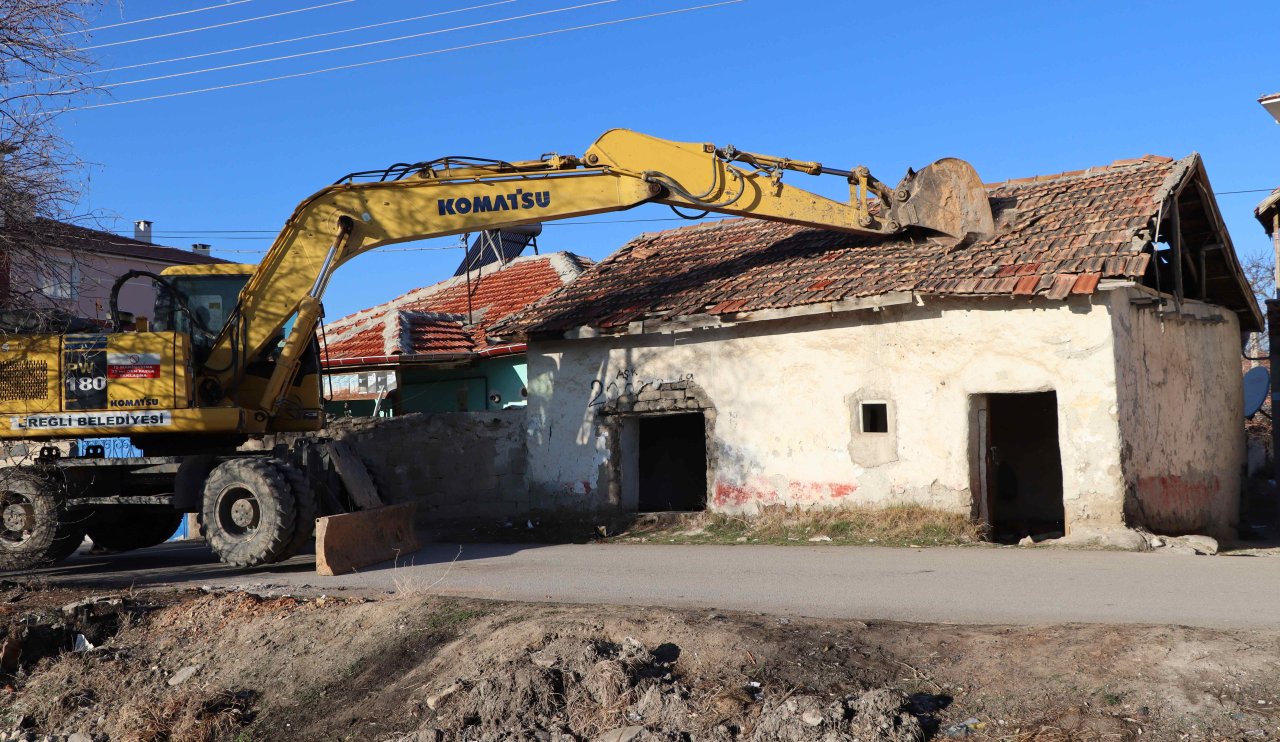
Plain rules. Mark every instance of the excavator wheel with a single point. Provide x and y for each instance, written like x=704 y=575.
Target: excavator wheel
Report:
x=305 y=497
x=249 y=512
x=35 y=527
x=131 y=527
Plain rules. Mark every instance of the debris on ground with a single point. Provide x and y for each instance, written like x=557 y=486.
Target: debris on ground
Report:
x=209 y=665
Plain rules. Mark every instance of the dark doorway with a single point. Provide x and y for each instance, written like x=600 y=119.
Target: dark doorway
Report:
x=1022 y=466
x=672 y=463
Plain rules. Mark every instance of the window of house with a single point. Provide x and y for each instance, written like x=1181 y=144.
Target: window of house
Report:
x=59 y=279
x=875 y=417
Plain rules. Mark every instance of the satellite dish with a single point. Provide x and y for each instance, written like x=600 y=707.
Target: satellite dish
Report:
x=1256 y=384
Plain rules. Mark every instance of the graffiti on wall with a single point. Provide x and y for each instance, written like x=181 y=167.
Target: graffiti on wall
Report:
x=626 y=382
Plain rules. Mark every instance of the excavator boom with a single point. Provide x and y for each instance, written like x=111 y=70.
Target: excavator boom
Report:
x=621 y=170
x=244 y=371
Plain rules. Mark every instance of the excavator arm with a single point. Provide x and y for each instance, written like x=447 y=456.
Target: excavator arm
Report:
x=451 y=196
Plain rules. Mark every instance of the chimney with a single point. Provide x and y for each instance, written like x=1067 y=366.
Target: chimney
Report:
x=142 y=230
x=200 y=248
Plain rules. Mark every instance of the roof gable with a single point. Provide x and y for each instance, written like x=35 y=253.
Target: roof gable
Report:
x=1056 y=235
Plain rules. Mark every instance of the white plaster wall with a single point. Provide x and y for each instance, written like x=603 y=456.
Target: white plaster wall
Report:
x=1181 y=413
x=785 y=393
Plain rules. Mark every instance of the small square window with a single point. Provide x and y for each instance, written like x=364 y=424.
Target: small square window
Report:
x=875 y=417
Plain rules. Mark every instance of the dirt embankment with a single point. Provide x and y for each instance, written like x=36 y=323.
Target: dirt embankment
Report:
x=191 y=666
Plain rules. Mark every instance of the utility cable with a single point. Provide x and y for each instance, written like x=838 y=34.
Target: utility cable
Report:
x=172 y=233
x=157 y=17
x=330 y=50
x=398 y=58
x=216 y=25
x=280 y=41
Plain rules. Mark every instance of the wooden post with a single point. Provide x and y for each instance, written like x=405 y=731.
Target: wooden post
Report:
x=1175 y=240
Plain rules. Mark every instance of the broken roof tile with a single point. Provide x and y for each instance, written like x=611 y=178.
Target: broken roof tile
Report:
x=1086 y=283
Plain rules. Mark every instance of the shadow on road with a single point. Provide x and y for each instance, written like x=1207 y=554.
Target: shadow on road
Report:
x=193 y=563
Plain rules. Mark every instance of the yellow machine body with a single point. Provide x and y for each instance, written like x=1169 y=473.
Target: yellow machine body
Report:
x=60 y=386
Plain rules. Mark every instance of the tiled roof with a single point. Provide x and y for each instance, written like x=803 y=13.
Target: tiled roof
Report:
x=1056 y=235
x=438 y=320
x=45 y=233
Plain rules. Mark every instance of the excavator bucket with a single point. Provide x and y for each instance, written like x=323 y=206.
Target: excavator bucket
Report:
x=947 y=197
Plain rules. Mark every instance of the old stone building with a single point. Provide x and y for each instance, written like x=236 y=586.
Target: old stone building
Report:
x=1080 y=368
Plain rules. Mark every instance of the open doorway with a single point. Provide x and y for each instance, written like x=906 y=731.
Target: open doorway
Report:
x=1020 y=466
x=672 y=462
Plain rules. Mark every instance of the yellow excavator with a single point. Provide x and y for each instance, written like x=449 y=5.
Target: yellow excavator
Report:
x=231 y=352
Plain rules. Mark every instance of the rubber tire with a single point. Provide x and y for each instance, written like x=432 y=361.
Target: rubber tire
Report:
x=304 y=497
x=57 y=534
x=129 y=527
x=265 y=542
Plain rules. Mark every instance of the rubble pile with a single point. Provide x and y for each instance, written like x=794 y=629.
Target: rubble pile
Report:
x=572 y=690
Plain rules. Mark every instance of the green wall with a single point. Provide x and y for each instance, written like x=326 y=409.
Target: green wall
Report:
x=465 y=389
x=462 y=389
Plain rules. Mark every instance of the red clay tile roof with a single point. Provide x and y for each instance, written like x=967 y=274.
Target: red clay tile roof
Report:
x=48 y=233
x=432 y=322
x=1056 y=236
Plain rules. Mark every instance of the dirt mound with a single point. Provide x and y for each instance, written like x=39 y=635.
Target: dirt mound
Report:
x=197 y=666
x=568 y=688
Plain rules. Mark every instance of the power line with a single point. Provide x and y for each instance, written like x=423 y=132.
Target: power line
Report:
x=217 y=25
x=281 y=41
x=356 y=46
x=195 y=232
x=397 y=59
x=1250 y=190
x=157 y=17
x=227 y=234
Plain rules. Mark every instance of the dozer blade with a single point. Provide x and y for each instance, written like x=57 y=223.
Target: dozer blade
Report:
x=347 y=542
x=947 y=197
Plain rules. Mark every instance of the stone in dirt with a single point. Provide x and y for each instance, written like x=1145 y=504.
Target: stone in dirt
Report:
x=183 y=675
x=623 y=734
x=879 y=715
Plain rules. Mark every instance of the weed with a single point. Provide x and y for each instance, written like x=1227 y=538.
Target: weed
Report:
x=894 y=525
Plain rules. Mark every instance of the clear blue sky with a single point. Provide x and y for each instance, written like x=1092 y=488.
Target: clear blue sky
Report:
x=1017 y=88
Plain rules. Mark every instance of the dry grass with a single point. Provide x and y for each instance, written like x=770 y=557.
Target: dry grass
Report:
x=895 y=525
x=410 y=585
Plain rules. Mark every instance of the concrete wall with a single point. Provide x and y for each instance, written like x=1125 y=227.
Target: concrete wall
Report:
x=1181 y=414
x=786 y=397
x=455 y=465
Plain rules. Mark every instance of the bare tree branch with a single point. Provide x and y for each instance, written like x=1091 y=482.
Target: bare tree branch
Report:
x=41 y=68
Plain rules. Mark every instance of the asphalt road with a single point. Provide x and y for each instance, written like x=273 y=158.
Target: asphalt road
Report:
x=960 y=585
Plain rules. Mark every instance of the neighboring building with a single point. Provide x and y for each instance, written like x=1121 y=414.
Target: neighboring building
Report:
x=73 y=268
x=427 y=351
x=1081 y=368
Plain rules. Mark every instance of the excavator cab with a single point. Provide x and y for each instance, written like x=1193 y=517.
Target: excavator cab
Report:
x=199 y=299
x=210 y=292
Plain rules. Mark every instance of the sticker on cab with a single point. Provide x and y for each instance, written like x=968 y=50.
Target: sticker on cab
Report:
x=133 y=365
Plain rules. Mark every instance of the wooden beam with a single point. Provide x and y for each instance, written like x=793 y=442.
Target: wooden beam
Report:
x=354 y=475
x=1204 y=278
x=1175 y=241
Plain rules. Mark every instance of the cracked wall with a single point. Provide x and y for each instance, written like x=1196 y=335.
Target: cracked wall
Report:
x=1181 y=415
